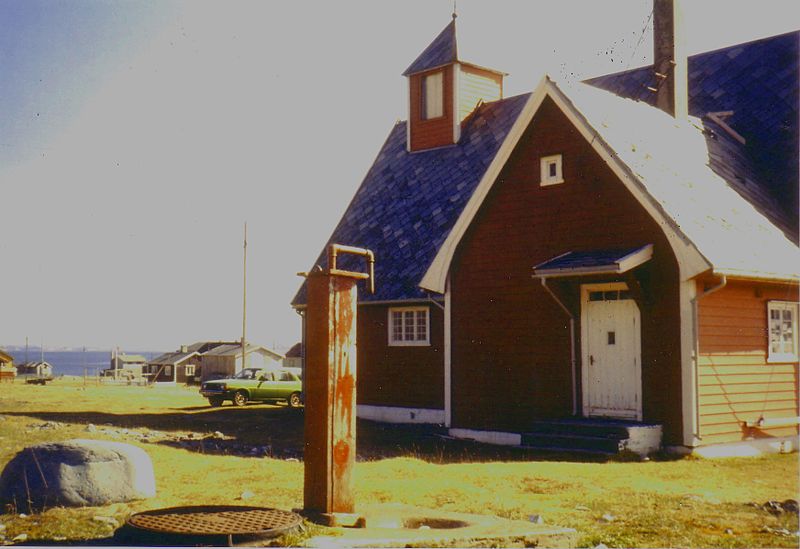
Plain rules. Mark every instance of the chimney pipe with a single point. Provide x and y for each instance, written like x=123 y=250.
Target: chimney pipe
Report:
x=669 y=60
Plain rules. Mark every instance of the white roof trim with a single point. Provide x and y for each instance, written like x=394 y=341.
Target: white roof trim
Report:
x=690 y=260
x=622 y=265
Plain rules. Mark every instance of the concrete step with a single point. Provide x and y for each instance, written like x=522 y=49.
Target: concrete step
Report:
x=589 y=427
x=584 y=443
x=594 y=435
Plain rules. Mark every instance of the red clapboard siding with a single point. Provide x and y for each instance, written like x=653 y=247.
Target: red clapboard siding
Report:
x=437 y=132
x=399 y=376
x=736 y=382
x=511 y=348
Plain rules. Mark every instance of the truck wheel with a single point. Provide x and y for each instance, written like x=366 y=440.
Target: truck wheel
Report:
x=239 y=398
x=294 y=400
x=216 y=402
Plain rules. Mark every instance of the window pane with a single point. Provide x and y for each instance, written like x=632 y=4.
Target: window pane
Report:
x=397 y=326
x=422 y=326
x=408 y=326
x=433 y=96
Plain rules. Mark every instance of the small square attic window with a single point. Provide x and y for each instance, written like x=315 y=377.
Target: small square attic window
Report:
x=551 y=173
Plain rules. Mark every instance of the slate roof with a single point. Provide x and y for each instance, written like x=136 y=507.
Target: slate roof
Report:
x=235 y=349
x=586 y=259
x=442 y=51
x=173 y=358
x=204 y=346
x=131 y=358
x=760 y=82
x=408 y=202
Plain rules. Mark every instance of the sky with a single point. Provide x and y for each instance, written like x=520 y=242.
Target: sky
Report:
x=136 y=138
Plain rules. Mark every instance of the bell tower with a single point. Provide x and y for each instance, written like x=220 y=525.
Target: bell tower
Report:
x=443 y=91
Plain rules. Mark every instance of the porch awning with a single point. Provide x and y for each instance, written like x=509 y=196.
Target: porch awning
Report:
x=594 y=262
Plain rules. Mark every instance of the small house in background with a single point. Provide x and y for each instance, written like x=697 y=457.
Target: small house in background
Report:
x=7 y=370
x=123 y=366
x=35 y=368
x=294 y=357
x=226 y=360
x=175 y=367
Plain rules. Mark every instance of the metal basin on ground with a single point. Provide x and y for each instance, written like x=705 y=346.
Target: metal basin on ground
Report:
x=207 y=525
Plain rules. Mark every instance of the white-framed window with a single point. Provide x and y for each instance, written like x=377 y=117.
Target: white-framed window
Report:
x=190 y=369
x=551 y=173
x=409 y=326
x=168 y=371
x=782 y=330
x=433 y=95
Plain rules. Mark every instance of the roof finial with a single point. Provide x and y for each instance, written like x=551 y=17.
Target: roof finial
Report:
x=455 y=14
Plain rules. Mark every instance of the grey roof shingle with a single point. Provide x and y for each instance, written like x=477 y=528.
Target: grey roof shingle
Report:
x=408 y=202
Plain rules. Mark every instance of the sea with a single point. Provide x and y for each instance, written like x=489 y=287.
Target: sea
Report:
x=73 y=363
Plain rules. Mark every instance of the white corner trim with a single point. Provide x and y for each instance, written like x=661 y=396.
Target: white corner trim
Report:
x=500 y=438
x=456 y=103
x=690 y=261
x=448 y=350
x=396 y=414
x=408 y=117
x=687 y=293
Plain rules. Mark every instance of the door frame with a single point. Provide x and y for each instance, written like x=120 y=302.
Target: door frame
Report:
x=606 y=286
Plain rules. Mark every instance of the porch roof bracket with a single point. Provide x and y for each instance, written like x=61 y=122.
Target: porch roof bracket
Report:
x=573 y=363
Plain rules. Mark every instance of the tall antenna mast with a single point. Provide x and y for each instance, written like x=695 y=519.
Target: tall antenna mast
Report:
x=244 y=301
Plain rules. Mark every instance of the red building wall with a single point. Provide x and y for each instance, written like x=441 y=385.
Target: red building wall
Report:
x=436 y=132
x=737 y=383
x=399 y=376
x=511 y=349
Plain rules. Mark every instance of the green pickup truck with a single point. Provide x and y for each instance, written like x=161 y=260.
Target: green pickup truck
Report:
x=255 y=385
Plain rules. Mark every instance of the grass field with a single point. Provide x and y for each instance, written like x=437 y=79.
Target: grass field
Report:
x=253 y=456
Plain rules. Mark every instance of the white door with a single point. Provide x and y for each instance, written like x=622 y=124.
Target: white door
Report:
x=611 y=336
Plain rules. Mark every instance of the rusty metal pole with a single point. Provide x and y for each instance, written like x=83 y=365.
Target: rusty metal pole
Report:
x=330 y=391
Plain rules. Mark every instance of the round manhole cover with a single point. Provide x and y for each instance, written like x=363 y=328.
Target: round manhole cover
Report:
x=216 y=520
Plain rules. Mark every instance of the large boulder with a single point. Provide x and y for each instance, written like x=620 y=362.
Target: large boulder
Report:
x=76 y=473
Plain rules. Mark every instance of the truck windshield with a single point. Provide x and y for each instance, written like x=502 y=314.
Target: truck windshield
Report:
x=248 y=373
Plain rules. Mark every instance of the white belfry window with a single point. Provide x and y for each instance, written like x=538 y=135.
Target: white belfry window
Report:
x=551 y=173
x=409 y=326
x=433 y=95
x=782 y=327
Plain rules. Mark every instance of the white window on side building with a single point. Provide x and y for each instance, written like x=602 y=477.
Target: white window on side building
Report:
x=782 y=329
x=409 y=326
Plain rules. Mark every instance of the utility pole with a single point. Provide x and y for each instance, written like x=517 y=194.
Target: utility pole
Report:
x=244 y=301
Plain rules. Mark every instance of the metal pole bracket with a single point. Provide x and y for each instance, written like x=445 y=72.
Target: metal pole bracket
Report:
x=334 y=250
